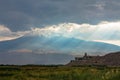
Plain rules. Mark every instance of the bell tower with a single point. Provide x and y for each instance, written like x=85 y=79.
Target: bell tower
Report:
x=85 y=55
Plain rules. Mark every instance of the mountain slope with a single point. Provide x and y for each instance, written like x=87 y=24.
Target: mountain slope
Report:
x=52 y=50
x=61 y=44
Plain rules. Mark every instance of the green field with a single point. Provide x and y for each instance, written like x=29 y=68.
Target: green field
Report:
x=58 y=73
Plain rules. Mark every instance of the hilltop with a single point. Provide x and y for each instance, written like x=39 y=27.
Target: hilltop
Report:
x=110 y=59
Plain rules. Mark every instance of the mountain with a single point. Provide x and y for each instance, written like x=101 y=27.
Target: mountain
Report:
x=112 y=59
x=60 y=44
x=48 y=50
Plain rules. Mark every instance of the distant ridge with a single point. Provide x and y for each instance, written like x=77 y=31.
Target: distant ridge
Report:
x=110 y=60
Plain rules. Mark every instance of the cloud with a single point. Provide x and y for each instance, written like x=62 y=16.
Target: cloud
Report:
x=115 y=42
x=46 y=51
x=21 y=51
x=4 y=29
x=37 y=51
x=100 y=5
x=7 y=34
x=103 y=31
x=47 y=12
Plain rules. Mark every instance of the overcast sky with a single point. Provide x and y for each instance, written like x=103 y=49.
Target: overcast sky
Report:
x=83 y=19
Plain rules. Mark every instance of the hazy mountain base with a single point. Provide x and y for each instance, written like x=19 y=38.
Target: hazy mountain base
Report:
x=30 y=58
x=58 y=73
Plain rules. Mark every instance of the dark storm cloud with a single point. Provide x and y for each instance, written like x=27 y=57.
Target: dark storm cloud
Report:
x=23 y=14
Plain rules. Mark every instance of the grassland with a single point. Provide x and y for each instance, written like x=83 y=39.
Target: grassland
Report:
x=58 y=73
